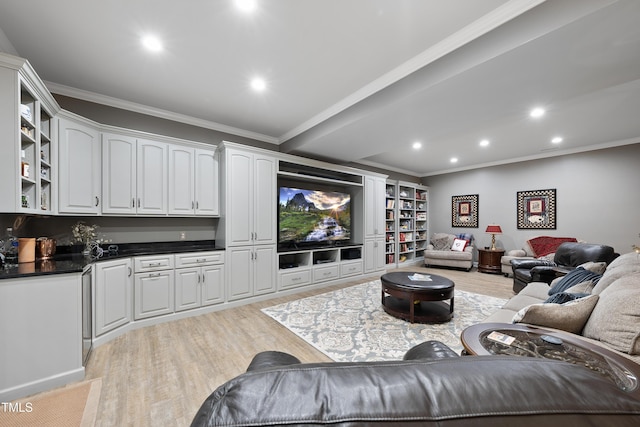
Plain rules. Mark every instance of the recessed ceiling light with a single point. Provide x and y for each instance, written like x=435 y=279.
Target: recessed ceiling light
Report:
x=537 y=112
x=258 y=84
x=484 y=143
x=246 y=5
x=417 y=145
x=152 y=43
x=454 y=160
x=556 y=139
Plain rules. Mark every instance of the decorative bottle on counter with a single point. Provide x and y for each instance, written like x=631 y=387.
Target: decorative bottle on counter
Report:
x=10 y=249
x=24 y=165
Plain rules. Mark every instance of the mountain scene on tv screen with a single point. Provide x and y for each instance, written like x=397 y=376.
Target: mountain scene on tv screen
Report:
x=314 y=216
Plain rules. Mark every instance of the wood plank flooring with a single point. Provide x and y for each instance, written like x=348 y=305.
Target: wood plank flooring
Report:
x=159 y=375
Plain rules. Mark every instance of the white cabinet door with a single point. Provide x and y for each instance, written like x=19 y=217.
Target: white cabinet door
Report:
x=113 y=286
x=153 y=294
x=181 y=180
x=240 y=280
x=152 y=194
x=212 y=284
x=265 y=199
x=374 y=255
x=79 y=178
x=251 y=199
x=188 y=288
x=207 y=182
x=119 y=174
x=374 y=206
x=264 y=266
x=239 y=188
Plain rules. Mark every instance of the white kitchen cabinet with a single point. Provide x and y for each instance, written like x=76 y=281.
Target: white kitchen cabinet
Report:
x=250 y=201
x=153 y=294
x=193 y=181
x=113 y=285
x=135 y=175
x=199 y=279
x=251 y=271
x=79 y=160
x=153 y=287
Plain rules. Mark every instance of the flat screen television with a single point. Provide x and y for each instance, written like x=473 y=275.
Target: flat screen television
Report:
x=308 y=217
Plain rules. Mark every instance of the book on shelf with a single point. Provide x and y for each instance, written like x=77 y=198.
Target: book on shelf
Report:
x=391 y=204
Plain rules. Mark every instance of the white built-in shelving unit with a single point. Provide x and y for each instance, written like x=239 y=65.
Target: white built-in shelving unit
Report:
x=406 y=222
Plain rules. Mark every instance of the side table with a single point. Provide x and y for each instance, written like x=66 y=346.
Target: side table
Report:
x=531 y=341
x=489 y=260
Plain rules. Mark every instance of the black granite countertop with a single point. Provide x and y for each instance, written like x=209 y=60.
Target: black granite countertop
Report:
x=69 y=259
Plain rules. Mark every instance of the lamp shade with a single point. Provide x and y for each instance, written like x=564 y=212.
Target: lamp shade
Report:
x=493 y=229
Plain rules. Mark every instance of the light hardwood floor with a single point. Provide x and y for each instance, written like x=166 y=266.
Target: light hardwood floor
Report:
x=159 y=375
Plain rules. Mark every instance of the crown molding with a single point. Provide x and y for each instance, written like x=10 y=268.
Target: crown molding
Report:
x=155 y=112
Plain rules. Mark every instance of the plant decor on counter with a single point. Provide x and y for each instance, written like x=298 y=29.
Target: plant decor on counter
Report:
x=85 y=234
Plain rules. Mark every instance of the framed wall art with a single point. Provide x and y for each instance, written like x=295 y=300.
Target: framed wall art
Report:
x=537 y=209
x=464 y=211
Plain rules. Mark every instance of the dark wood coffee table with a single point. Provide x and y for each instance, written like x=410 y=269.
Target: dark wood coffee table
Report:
x=419 y=301
x=531 y=341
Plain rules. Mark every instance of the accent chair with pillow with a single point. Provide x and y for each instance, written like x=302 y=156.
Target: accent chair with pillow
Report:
x=450 y=250
x=539 y=247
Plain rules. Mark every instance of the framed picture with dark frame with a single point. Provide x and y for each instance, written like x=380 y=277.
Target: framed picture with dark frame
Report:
x=464 y=211
x=537 y=209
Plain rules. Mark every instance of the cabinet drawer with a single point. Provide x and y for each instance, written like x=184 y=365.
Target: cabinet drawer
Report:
x=199 y=258
x=153 y=263
x=350 y=269
x=293 y=279
x=320 y=274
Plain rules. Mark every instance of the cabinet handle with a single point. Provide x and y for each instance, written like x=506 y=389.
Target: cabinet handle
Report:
x=192 y=204
x=138 y=201
x=133 y=202
x=154 y=275
x=201 y=260
x=154 y=264
x=198 y=278
x=197 y=205
x=130 y=271
x=97 y=201
x=203 y=279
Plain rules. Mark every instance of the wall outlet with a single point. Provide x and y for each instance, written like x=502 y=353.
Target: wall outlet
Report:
x=183 y=235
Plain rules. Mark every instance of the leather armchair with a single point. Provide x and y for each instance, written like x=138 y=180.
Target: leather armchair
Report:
x=568 y=256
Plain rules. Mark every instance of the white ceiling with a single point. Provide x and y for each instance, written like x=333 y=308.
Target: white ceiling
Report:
x=355 y=80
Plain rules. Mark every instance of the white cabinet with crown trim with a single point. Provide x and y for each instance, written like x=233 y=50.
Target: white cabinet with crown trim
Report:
x=193 y=181
x=113 y=285
x=134 y=175
x=80 y=178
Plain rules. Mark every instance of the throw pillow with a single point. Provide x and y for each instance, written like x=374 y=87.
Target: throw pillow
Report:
x=545 y=245
x=459 y=245
x=613 y=274
x=562 y=297
x=581 y=288
x=572 y=278
x=594 y=267
x=441 y=242
x=616 y=318
x=570 y=316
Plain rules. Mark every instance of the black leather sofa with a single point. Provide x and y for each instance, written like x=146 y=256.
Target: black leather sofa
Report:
x=568 y=256
x=432 y=386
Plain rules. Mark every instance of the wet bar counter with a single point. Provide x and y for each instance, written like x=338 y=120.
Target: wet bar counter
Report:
x=68 y=259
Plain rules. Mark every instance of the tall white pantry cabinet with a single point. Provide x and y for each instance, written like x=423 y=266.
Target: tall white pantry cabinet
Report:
x=247 y=227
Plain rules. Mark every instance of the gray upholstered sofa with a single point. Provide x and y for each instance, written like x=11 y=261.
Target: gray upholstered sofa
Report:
x=607 y=312
x=439 y=251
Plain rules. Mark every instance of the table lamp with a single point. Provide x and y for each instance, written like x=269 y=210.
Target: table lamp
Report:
x=493 y=229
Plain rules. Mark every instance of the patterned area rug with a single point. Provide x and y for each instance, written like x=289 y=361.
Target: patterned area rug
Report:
x=350 y=325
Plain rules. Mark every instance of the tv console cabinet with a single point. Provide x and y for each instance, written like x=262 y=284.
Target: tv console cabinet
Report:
x=308 y=267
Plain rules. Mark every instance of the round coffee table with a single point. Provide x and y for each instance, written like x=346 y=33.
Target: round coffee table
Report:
x=417 y=297
x=530 y=341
